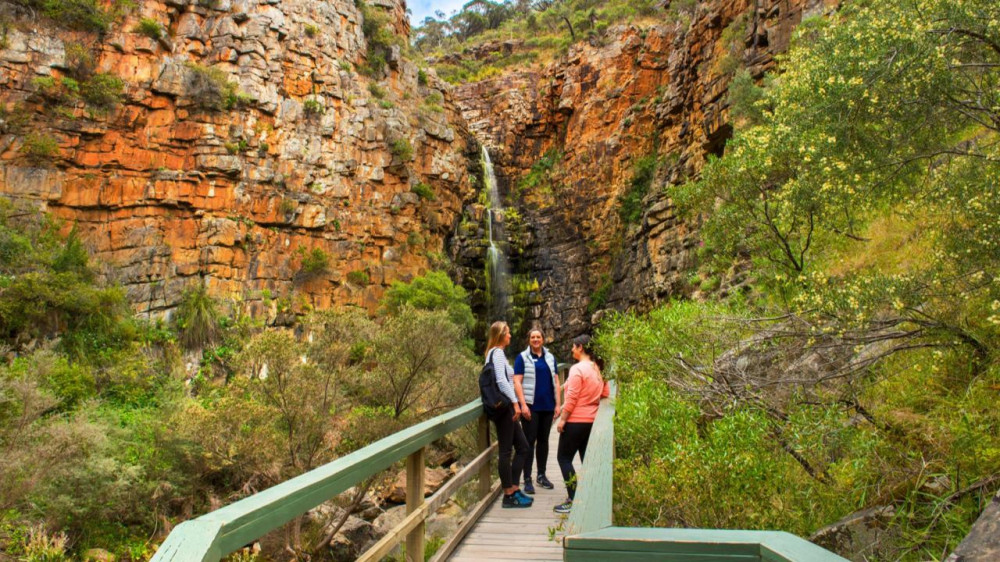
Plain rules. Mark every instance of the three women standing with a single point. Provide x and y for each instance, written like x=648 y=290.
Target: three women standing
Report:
x=509 y=432
x=532 y=388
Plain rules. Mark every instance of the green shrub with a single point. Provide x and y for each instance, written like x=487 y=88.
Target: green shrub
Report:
x=14 y=121
x=422 y=77
x=78 y=15
x=79 y=61
x=210 y=89
x=345 y=66
x=600 y=295
x=315 y=262
x=434 y=291
x=402 y=149
x=414 y=239
x=630 y=203
x=103 y=90
x=237 y=147
x=40 y=149
x=378 y=91
x=198 y=318
x=287 y=206
x=379 y=37
x=540 y=175
x=311 y=30
x=423 y=190
x=149 y=27
x=386 y=104
x=358 y=277
x=313 y=106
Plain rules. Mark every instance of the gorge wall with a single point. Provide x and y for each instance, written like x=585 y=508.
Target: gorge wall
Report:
x=245 y=149
x=583 y=122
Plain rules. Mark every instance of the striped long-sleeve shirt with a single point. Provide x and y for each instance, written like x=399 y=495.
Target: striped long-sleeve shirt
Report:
x=504 y=373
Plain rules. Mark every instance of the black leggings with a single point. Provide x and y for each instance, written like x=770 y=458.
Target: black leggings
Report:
x=573 y=439
x=509 y=435
x=536 y=431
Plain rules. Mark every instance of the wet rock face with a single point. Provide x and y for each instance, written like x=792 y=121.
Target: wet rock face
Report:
x=245 y=139
x=660 y=91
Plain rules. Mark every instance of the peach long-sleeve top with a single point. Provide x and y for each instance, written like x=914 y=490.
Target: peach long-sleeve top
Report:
x=584 y=389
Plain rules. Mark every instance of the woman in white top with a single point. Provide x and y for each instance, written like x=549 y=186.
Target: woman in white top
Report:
x=509 y=433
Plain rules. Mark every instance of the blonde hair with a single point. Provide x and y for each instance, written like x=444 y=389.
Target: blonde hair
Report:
x=495 y=336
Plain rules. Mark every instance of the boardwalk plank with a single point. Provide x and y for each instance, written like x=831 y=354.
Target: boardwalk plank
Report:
x=520 y=534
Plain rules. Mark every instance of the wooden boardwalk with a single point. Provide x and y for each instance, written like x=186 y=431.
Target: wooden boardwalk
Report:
x=521 y=534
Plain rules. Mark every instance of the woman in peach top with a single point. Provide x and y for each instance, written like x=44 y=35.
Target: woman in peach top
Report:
x=584 y=389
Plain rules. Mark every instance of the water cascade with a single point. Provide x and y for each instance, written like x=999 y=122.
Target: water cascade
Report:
x=497 y=266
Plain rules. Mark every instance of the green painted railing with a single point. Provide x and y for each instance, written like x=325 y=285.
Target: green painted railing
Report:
x=591 y=536
x=216 y=534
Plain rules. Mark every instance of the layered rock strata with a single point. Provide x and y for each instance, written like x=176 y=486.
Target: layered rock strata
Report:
x=247 y=151
x=653 y=91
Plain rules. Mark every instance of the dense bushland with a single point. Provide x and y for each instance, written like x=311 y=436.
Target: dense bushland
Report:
x=544 y=28
x=862 y=190
x=107 y=438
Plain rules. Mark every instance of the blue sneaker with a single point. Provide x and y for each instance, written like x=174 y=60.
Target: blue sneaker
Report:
x=515 y=500
x=524 y=497
x=528 y=487
x=544 y=482
x=564 y=507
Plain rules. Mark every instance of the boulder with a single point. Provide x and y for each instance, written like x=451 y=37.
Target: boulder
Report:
x=982 y=544
x=861 y=535
x=433 y=479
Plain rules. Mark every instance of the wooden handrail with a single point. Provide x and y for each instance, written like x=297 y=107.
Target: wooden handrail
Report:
x=590 y=534
x=592 y=506
x=210 y=537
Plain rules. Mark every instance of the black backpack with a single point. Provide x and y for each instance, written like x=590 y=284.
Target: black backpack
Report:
x=494 y=401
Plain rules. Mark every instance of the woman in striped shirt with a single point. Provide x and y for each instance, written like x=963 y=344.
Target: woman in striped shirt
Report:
x=509 y=433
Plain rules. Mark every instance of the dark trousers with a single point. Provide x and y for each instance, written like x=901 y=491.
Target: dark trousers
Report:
x=536 y=431
x=510 y=435
x=572 y=440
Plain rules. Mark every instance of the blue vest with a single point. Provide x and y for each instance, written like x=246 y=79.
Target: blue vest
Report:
x=528 y=384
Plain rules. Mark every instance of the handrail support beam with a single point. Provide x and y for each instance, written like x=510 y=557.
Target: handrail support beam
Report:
x=485 y=483
x=414 y=499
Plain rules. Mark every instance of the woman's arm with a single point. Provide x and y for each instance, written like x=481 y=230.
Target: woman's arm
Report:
x=558 y=384
x=500 y=372
x=519 y=386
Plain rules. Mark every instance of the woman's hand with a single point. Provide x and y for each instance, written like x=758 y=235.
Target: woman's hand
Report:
x=561 y=425
x=517 y=411
x=525 y=412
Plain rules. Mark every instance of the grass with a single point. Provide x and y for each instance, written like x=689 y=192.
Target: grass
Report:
x=630 y=202
x=313 y=107
x=423 y=190
x=103 y=90
x=40 y=149
x=892 y=244
x=358 y=277
x=402 y=149
x=378 y=91
x=149 y=27
x=315 y=262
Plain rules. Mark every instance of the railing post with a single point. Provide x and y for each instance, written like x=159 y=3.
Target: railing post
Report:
x=414 y=498
x=485 y=482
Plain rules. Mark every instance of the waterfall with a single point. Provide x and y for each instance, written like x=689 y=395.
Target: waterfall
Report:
x=497 y=266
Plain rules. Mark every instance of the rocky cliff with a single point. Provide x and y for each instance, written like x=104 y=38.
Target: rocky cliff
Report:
x=567 y=140
x=253 y=145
